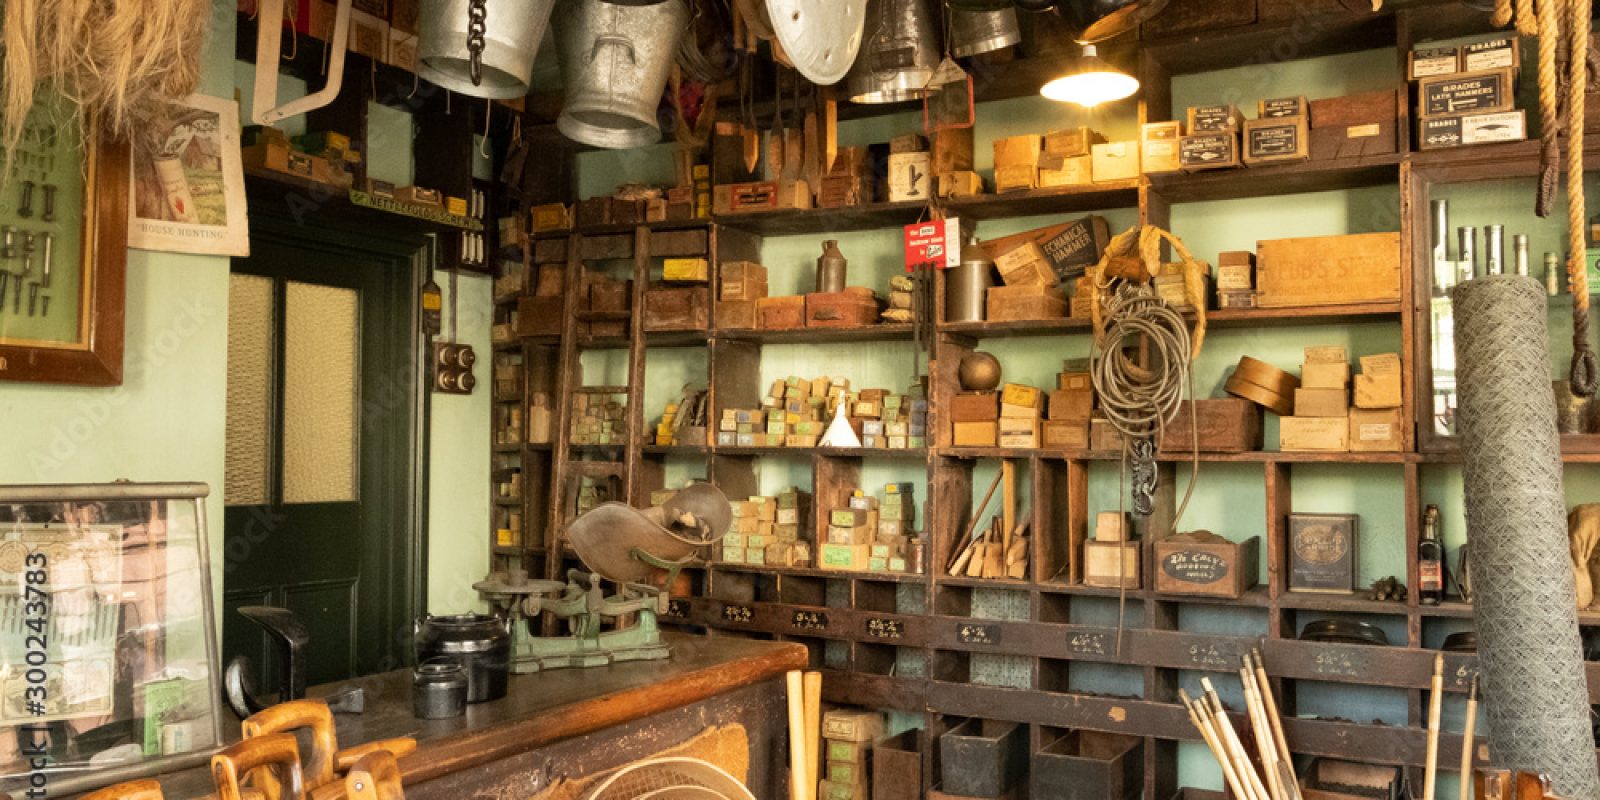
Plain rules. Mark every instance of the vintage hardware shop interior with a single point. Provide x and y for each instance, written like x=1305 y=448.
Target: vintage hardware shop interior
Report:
x=1045 y=379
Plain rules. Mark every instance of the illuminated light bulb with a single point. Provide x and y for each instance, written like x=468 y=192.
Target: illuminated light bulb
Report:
x=1091 y=82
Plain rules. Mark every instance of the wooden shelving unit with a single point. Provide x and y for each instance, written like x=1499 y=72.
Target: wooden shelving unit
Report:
x=952 y=648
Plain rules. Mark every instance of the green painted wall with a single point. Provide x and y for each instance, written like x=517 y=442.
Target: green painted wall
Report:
x=1229 y=498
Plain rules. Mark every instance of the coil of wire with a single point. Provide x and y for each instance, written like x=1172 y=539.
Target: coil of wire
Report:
x=1137 y=398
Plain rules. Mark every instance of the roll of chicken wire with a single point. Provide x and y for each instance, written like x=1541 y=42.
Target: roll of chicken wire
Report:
x=1529 y=650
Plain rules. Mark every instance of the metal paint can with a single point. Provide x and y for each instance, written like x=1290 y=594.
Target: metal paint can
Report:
x=966 y=286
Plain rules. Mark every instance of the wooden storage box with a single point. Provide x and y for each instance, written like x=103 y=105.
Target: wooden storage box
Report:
x=1158 y=147
x=594 y=211
x=1065 y=434
x=677 y=309
x=852 y=308
x=848 y=725
x=1376 y=430
x=1331 y=779
x=539 y=316
x=1349 y=141
x=1314 y=434
x=975 y=434
x=1227 y=425
x=1467 y=93
x=974 y=407
x=842 y=191
x=782 y=313
x=1116 y=161
x=1204 y=564
x=743 y=280
x=897 y=767
x=1101 y=564
x=1010 y=303
x=1328 y=270
x=1355 y=109
x=737 y=314
x=1276 y=140
x=1216 y=150
x=983 y=757
x=1068 y=143
x=1089 y=765
x=745 y=198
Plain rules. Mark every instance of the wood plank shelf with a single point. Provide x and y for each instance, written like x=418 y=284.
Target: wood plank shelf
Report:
x=802 y=221
x=886 y=332
x=1060 y=200
x=1279 y=179
x=1220 y=319
x=1350 y=604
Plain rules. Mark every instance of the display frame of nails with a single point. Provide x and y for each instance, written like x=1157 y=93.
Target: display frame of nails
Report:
x=63 y=253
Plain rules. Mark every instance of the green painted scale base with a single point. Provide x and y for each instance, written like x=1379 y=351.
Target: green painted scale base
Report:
x=583 y=604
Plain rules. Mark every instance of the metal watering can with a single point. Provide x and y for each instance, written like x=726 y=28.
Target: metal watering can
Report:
x=615 y=61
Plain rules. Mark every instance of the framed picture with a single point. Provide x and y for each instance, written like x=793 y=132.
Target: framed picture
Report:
x=63 y=253
x=187 y=190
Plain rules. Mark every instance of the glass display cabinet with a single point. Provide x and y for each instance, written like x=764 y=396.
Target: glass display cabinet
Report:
x=108 y=659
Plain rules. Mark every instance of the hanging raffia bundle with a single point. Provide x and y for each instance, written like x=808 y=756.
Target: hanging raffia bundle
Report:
x=119 y=61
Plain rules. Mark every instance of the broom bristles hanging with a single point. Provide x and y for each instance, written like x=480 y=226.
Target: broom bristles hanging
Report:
x=120 y=62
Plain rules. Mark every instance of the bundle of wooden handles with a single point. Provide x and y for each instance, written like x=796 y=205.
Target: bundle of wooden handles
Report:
x=1276 y=779
x=805 y=732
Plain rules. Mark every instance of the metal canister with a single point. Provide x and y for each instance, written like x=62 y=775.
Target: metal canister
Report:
x=916 y=555
x=438 y=690
x=615 y=62
x=831 y=268
x=1494 y=249
x=966 y=286
x=511 y=36
x=1467 y=238
x=1519 y=253
x=976 y=32
x=479 y=643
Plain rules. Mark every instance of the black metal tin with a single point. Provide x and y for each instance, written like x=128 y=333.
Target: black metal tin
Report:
x=480 y=643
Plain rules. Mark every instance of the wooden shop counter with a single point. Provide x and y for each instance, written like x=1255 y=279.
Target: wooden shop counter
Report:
x=570 y=723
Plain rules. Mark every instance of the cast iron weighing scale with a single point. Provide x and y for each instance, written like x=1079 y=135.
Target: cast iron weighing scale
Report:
x=621 y=544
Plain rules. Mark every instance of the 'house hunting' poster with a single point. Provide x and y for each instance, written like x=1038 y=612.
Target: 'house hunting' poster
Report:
x=188 y=183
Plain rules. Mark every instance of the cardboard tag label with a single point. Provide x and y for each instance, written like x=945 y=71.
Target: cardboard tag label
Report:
x=936 y=242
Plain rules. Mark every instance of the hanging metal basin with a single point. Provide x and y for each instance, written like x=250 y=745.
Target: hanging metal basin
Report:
x=898 y=54
x=615 y=61
x=976 y=32
x=821 y=37
x=512 y=32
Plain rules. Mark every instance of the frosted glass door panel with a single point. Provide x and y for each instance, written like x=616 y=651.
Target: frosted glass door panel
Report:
x=321 y=398
x=247 y=466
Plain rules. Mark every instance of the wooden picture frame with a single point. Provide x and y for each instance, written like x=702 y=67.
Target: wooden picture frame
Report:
x=94 y=358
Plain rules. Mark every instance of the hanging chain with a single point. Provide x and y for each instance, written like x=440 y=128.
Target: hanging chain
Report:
x=476 y=26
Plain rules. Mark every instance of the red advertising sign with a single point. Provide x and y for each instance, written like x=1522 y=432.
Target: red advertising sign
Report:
x=936 y=242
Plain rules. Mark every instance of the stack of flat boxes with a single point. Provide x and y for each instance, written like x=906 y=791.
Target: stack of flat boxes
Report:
x=847 y=737
x=1280 y=133
x=1212 y=141
x=897 y=526
x=591 y=493
x=767 y=530
x=598 y=418
x=1070 y=408
x=1172 y=285
x=851 y=532
x=975 y=419
x=664 y=434
x=1111 y=558
x=1468 y=94
x=1236 y=279
x=1021 y=407
x=1032 y=288
x=891 y=421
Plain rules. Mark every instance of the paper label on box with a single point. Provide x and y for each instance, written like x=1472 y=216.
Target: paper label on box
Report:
x=1375 y=432
x=1493 y=54
x=1433 y=62
x=1363 y=131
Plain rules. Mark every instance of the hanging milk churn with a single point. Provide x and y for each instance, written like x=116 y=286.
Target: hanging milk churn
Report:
x=976 y=32
x=899 y=51
x=615 y=61
x=482 y=48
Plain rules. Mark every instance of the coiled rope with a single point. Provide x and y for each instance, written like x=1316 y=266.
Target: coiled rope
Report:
x=1585 y=371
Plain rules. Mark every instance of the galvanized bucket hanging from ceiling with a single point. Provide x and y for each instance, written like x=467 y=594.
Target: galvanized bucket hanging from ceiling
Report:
x=821 y=37
x=898 y=54
x=505 y=33
x=615 y=61
x=976 y=32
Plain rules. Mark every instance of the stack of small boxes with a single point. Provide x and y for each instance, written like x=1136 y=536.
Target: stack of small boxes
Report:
x=591 y=493
x=910 y=173
x=1069 y=157
x=1468 y=94
x=1111 y=558
x=1324 y=419
x=1172 y=286
x=766 y=530
x=1070 y=408
x=664 y=427
x=743 y=284
x=796 y=412
x=897 y=530
x=1021 y=407
x=1236 y=279
x=847 y=737
x=851 y=532
x=974 y=419
x=1212 y=139
x=598 y=418
x=1375 y=420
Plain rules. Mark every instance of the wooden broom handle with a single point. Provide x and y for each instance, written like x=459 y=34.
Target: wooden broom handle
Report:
x=278 y=749
x=295 y=715
x=132 y=790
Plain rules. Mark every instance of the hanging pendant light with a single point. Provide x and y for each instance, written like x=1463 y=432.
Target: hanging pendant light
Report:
x=481 y=48
x=821 y=37
x=976 y=32
x=898 y=53
x=1090 y=82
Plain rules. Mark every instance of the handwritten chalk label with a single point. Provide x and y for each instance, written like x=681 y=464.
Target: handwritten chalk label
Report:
x=1195 y=567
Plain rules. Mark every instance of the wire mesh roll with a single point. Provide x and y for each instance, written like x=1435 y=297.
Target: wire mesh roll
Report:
x=1529 y=649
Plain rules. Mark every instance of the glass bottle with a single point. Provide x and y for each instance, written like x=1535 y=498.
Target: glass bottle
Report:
x=1430 y=559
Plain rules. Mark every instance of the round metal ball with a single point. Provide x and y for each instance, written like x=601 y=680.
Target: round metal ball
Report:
x=979 y=372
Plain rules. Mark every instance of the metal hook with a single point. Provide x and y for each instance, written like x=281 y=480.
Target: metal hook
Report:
x=488 y=112
x=416 y=80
